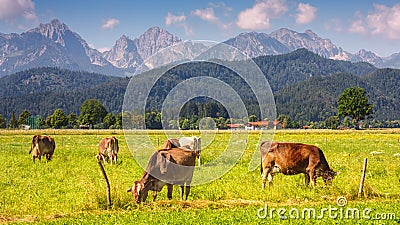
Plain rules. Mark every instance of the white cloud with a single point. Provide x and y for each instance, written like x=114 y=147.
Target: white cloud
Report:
x=383 y=21
x=258 y=17
x=11 y=10
x=110 y=23
x=358 y=27
x=206 y=14
x=179 y=21
x=173 y=19
x=306 y=13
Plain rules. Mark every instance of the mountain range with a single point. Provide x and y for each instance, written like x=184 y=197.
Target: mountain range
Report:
x=305 y=86
x=54 y=45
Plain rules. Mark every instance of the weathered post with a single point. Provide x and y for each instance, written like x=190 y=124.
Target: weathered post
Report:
x=360 y=189
x=106 y=180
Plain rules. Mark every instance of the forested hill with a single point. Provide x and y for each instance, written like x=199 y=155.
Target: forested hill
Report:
x=305 y=86
x=316 y=99
x=301 y=65
x=42 y=90
x=49 y=79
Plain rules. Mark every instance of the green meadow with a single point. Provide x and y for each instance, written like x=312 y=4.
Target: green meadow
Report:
x=70 y=189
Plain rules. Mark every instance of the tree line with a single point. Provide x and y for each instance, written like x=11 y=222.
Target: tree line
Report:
x=353 y=107
x=93 y=114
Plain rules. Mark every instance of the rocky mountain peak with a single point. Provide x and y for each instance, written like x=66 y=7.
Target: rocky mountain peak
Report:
x=154 y=39
x=368 y=56
x=55 y=30
x=312 y=35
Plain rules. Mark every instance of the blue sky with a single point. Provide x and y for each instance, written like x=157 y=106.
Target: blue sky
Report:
x=353 y=25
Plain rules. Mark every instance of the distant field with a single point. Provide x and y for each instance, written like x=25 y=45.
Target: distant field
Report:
x=70 y=188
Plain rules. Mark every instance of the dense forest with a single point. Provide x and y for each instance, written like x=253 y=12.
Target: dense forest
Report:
x=305 y=86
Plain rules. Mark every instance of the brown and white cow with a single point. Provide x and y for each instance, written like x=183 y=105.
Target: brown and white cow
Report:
x=108 y=149
x=169 y=167
x=292 y=159
x=191 y=143
x=42 y=145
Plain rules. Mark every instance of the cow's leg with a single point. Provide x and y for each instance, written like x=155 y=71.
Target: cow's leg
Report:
x=266 y=175
x=170 y=189
x=181 y=191
x=154 y=194
x=270 y=177
x=48 y=157
x=311 y=173
x=306 y=179
x=187 y=192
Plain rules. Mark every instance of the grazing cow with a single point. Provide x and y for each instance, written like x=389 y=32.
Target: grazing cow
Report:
x=294 y=158
x=169 y=167
x=108 y=149
x=42 y=145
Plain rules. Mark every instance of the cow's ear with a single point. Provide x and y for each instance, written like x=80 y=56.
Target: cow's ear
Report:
x=167 y=144
x=129 y=190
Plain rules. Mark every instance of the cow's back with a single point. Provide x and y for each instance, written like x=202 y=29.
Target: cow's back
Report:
x=46 y=145
x=174 y=166
x=292 y=158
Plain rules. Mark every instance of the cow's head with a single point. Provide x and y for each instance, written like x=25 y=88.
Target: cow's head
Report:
x=327 y=175
x=34 y=146
x=139 y=191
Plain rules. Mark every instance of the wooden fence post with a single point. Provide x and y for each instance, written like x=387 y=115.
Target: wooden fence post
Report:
x=106 y=180
x=360 y=189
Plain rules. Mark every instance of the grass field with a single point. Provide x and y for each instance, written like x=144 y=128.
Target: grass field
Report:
x=70 y=189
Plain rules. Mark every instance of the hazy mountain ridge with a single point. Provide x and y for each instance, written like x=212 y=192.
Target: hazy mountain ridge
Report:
x=54 y=45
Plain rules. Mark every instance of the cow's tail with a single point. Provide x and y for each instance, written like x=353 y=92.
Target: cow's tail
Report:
x=261 y=159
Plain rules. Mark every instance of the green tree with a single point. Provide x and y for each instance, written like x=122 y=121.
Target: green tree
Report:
x=58 y=119
x=332 y=122
x=13 y=121
x=92 y=112
x=118 y=121
x=23 y=116
x=109 y=120
x=72 y=120
x=184 y=124
x=42 y=122
x=253 y=118
x=285 y=121
x=353 y=102
x=3 y=122
x=153 y=120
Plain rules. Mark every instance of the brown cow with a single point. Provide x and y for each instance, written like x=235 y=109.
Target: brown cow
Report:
x=42 y=145
x=294 y=158
x=169 y=167
x=108 y=149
